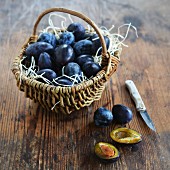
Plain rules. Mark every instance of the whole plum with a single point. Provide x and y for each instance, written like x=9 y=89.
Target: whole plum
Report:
x=122 y=113
x=44 y=61
x=49 y=38
x=97 y=44
x=48 y=74
x=56 y=67
x=72 y=69
x=88 y=36
x=77 y=29
x=37 y=48
x=63 y=81
x=27 y=61
x=83 y=47
x=102 y=117
x=91 y=69
x=63 y=54
x=80 y=60
x=66 y=38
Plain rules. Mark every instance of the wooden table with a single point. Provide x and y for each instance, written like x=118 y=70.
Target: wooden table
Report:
x=33 y=138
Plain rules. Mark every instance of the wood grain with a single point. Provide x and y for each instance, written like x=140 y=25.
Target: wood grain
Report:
x=33 y=138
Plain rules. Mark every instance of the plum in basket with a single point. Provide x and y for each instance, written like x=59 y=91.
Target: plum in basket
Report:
x=97 y=44
x=77 y=29
x=66 y=38
x=37 y=48
x=82 y=59
x=63 y=81
x=63 y=54
x=72 y=69
x=91 y=69
x=49 y=38
x=48 y=74
x=44 y=61
x=83 y=47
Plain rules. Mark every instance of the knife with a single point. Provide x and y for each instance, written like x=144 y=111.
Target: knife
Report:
x=139 y=103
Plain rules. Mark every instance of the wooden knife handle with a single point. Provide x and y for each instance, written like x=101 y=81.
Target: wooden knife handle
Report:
x=135 y=95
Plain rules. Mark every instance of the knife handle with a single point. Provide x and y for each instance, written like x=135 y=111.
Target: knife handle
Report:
x=135 y=95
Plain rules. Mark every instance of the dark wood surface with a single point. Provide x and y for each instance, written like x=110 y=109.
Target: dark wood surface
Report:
x=32 y=138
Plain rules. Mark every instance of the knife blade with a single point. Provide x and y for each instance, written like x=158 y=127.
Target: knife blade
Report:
x=140 y=107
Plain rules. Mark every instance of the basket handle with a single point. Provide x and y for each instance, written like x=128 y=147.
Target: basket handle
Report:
x=80 y=15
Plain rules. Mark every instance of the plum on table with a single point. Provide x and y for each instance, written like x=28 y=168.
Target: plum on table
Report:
x=102 y=117
x=122 y=113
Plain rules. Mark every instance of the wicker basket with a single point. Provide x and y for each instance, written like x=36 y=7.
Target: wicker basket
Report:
x=66 y=99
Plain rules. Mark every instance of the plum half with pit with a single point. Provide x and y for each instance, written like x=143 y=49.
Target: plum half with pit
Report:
x=91 y=68
x=106 y=152
x=49 y=38
x=72 y=69
x=125 y=136
x=66 y=38
x=44 y=61
x=48 y=74
x=77 y=29
x=82 y=59
x=63 y=54
x=103 y=117
x=83 y=47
